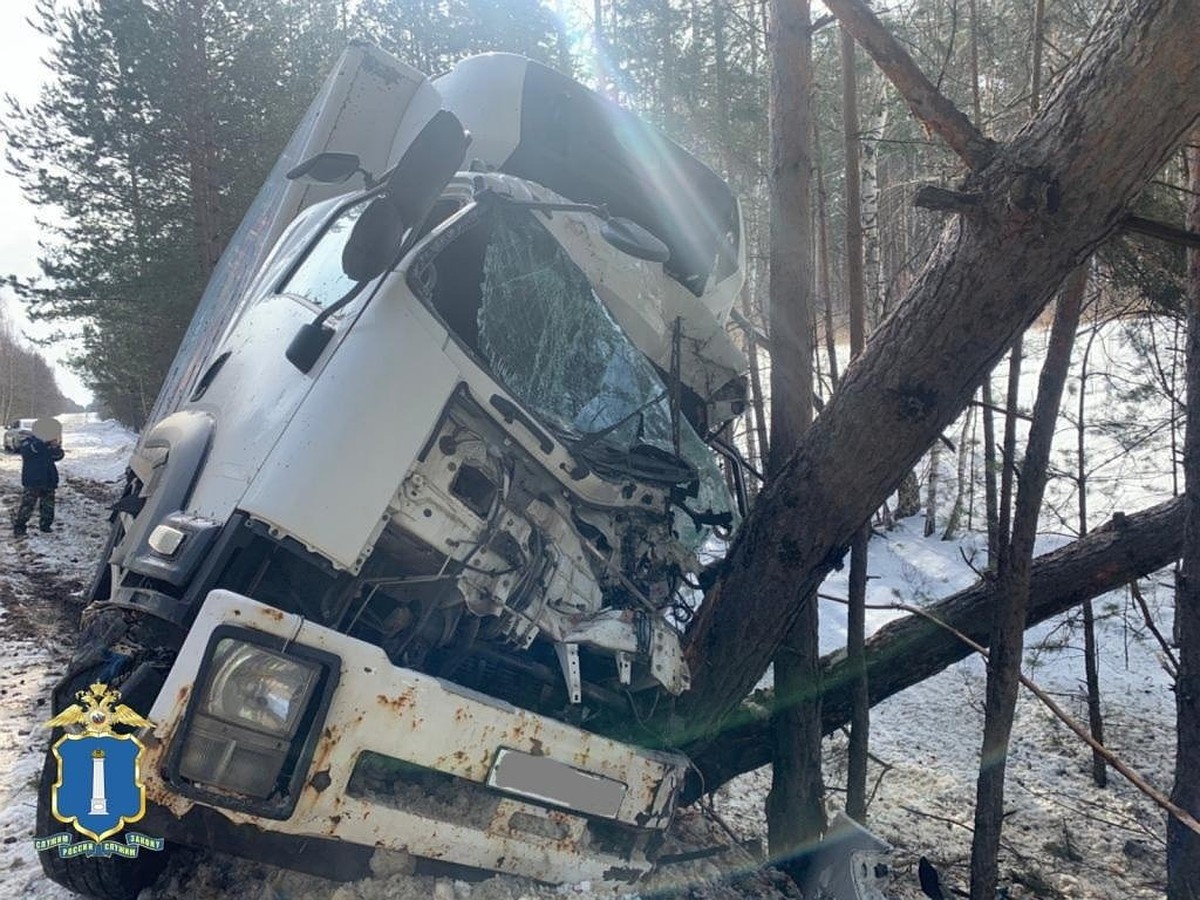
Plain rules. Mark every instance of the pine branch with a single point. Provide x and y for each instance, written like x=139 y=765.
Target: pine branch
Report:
x=932 y=108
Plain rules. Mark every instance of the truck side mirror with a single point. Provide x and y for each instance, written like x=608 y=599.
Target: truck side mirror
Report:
x=373 y=241
x=427 y=166
x=412 y=187
x=329 y=168
x=631 y=238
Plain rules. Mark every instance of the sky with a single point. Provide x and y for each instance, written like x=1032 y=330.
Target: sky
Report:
x=21 y=75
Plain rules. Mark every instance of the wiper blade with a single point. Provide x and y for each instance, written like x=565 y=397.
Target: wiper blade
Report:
x=593 y=436
x=645 y=462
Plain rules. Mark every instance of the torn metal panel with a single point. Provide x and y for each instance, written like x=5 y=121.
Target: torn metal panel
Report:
x=850 y=863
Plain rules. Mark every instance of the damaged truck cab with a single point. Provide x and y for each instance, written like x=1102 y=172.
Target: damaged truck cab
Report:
x=404 y=559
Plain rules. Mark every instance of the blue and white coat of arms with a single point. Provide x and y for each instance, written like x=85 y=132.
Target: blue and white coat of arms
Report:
x=99 y=787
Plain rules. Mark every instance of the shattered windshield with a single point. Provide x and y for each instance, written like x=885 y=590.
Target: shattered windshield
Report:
x=549 y=339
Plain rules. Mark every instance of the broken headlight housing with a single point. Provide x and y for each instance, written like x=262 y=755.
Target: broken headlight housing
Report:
x=250 y=728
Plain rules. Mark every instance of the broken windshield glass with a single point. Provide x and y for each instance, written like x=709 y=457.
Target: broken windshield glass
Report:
x=550 y=340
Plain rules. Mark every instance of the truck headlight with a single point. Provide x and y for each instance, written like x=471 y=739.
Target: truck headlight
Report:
x=249 y=708
x=258 y=688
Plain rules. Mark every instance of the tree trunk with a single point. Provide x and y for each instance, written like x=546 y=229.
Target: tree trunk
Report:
x=1183 y=845
x=1048 y=198
x=1091 y=674
x=1008 y=455
x=204 y=189
x=1008 y=625
x=858 y=749
x=757 y=404
x=1090 y=659
x=966 y=454
x=991 y=498
x=1008 y=471
x=872 y=265
x=911 y=649
x=931 y=497
x=796 y=803
x=908 y=497
x=824 y=281
x=856 y=619
x=985 y=390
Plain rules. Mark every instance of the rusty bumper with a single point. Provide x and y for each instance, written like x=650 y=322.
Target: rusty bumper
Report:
x=397 y=761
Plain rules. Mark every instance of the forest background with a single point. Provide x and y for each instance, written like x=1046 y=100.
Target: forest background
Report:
x=160 y=120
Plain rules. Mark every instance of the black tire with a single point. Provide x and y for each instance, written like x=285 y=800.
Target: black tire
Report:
x=109 y=651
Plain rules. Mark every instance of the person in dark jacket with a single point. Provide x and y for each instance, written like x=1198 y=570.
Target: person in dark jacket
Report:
x=39 y=479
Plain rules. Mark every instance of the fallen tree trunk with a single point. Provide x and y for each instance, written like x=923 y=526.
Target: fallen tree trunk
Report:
x=907 y=651
x=1048 y=199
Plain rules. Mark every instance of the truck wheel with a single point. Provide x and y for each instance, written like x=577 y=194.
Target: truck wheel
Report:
x=107 y=654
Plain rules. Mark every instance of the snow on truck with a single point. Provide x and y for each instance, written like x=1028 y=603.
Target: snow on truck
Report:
x=411 y=532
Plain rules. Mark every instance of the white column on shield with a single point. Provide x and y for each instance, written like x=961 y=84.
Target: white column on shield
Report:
x=99 y=804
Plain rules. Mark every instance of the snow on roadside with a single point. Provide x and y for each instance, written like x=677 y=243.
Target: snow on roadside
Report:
x=1063 y=836
x=96 y=450
x=42 y=579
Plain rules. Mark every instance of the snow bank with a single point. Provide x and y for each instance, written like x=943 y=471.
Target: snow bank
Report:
x=96 y=450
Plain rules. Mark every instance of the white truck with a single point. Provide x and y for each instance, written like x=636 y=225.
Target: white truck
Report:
x=404 y=557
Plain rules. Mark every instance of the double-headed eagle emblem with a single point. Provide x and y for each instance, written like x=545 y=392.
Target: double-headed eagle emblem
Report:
x=97 y=710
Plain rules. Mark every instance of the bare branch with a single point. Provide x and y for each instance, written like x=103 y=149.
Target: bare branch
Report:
x=927 y=103
x=1170 y=660
x=931 y=196
x=1162 y=231
x=1159 y=798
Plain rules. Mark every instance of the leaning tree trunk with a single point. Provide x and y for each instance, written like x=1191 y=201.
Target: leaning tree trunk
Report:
x=1183 y=845
x=911 y=649
x=1038 y=206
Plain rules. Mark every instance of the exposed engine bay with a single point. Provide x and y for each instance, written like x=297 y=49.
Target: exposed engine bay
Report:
x=491 y=552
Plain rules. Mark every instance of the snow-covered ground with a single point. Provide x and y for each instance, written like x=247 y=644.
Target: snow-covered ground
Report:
x=1063 y=837
x=42 y=580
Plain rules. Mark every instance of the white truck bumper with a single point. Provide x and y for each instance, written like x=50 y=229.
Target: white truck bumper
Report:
x=495 y=787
